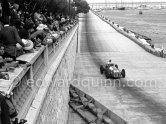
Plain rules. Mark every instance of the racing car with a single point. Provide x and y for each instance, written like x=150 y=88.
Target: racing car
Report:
x=111 y=70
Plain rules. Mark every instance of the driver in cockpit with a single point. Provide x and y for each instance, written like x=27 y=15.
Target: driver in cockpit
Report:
x=109 y=63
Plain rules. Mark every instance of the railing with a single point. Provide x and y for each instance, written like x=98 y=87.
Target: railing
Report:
x=24 y=82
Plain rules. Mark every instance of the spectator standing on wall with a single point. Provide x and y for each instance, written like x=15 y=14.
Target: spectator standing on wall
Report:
x=9 y=37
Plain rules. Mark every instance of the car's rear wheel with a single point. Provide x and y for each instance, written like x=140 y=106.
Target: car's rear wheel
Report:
x=123 y=72
x=101 y=69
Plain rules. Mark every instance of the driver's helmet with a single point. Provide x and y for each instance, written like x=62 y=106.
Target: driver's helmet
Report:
x=109 y=62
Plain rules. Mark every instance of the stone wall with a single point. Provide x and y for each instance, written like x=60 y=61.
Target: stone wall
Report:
x=55 y=106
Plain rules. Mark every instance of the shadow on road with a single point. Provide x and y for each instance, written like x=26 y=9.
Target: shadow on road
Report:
x=153 y=108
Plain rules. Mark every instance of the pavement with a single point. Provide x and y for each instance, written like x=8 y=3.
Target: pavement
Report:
x=140 y=97
x=74 y=118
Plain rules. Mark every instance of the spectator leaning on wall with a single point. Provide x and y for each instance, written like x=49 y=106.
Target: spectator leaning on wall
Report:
x=9 y=37
x=25 y=32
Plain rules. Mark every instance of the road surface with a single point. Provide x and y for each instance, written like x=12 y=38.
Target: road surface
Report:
x=140 y=98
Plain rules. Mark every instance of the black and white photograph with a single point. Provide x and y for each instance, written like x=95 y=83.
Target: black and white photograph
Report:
x=82 y=61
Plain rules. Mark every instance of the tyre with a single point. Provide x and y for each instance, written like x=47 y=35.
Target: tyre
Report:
x=123 y=72
x=107 y=76
x=101 y=69
x=116 y=66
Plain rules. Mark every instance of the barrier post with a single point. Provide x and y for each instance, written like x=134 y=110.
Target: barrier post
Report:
x=31 y=73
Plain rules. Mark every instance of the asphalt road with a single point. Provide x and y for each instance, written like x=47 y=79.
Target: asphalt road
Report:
x=140 y=98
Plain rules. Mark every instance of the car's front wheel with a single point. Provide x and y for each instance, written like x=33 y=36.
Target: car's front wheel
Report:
x=123 y=72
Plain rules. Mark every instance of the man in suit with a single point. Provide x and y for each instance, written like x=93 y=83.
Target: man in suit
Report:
x=9 y=37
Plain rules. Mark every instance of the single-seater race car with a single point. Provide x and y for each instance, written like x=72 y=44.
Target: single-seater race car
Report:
x=111 y=70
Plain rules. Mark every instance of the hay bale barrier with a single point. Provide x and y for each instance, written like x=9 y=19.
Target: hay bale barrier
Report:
x=139 y=39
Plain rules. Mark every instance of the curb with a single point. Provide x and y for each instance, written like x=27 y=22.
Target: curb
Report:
x=119 y=29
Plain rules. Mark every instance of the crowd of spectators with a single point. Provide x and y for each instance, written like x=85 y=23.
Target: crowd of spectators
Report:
x=22 y=32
